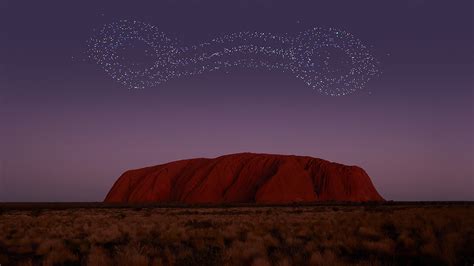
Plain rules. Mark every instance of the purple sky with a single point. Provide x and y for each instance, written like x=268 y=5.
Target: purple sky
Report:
x=67 y=130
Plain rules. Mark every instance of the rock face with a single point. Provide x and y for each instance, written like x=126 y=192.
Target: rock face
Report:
x=245 y=178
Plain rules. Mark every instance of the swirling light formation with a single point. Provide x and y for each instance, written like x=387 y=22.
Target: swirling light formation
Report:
x=331 y=61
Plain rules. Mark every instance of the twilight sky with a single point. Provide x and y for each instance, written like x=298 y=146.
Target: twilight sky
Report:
x=67 y=130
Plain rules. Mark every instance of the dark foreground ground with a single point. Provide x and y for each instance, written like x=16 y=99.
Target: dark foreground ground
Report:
x=323 y=234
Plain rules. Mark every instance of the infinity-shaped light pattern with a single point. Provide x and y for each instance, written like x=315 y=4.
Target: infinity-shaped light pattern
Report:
x=331 y=61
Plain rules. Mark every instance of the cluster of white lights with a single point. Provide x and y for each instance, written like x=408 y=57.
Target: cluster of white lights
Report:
x=310 y=56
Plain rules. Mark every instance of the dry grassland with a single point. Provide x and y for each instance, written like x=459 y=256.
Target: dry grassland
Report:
x=304 y=235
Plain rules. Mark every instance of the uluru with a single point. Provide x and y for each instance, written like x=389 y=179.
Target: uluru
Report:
x=244 y=178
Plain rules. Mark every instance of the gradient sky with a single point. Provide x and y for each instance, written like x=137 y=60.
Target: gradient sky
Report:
x=67 y=130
